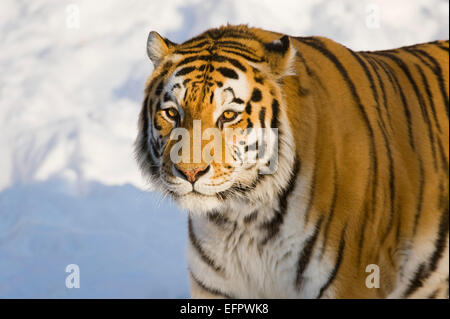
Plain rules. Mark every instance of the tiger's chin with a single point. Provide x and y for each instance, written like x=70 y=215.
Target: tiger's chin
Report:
x=198 y=203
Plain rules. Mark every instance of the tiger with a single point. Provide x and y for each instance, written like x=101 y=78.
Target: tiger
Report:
x=357 y=204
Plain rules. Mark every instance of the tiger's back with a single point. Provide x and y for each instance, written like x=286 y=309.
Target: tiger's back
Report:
x=362 y=180
x=387 y=126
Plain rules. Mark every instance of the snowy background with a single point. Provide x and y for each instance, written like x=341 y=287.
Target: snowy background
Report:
x=71 y=83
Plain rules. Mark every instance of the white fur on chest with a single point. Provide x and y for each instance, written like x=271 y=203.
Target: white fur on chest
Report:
x=249 y=269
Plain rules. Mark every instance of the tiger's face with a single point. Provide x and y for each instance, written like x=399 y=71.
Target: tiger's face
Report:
x=209 y=125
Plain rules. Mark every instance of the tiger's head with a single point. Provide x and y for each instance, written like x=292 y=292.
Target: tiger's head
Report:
x=213 y=131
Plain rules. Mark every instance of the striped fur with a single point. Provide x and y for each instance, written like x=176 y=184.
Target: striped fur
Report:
x=362 y=171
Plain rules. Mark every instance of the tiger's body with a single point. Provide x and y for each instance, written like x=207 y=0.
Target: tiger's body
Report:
x=362 y=175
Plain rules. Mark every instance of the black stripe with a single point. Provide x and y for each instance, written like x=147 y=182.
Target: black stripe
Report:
x=303 y=61
x=201 y=48
x=201 y=252
x=419 y=197
x=201 y=38
x=337 y=264
x=217 y=218
x=262 y=117
x=242 y=55
x=438 y=72
x=185 y=70
x=440 y=242
x=186 y=94
x=237 y=101
x=200 y=44
x=212 y=291
x=194 y=58
x=331 y=210
x=430 y=97
x=421 y=58
x=159 y=88
x=256 y=95
x=417 y=281
x=234 y=62
x=227 y=72
x=442 y=47
x=248 y=108
x=444 y=160
x=142 y=148
x=259 y=79
x=305 y=255
x=155 y=122
x=251 y=217
x=389 y=71
x=188 y=52
x=275 y=112
x=144 y=116
x=230 y=234
x=167 y=97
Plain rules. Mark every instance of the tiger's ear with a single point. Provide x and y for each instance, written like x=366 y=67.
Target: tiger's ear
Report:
x=280 y=55
x=157 y=47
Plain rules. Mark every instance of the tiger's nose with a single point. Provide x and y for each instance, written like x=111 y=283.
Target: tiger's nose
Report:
x=192 y=174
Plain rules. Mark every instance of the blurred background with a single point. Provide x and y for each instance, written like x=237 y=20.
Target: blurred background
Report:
x=71 y=84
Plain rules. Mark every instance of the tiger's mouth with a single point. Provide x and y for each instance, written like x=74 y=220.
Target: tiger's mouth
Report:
x=202 y=200
x=183 y=189
x=236 y=189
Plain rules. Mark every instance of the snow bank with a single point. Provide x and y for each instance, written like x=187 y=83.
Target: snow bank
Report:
x=127 y=243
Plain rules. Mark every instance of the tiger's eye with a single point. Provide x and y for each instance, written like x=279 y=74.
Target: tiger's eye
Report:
x=172 y=113
x=228 y=115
